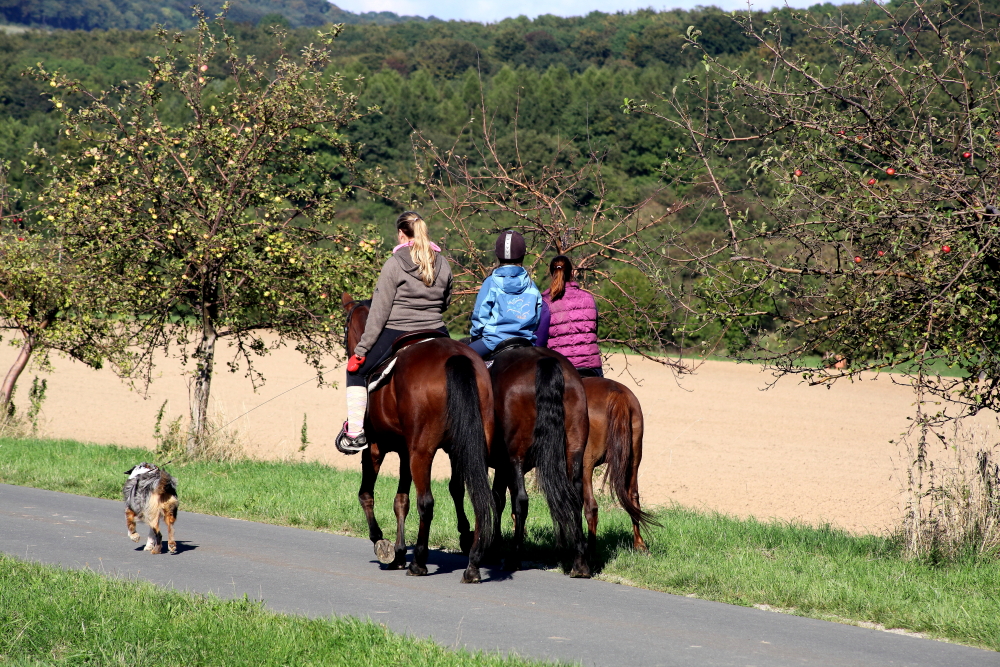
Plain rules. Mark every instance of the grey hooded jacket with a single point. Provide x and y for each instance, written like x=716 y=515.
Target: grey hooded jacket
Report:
x=403 y=302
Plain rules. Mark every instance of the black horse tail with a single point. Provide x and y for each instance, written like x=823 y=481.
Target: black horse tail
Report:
x=620 y=456
x=468 y=441
x=549 y=445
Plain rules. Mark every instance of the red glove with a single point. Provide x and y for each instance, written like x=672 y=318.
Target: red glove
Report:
x=354 y=363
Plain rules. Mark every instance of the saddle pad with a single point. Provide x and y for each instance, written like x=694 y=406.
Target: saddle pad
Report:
x=381 y=374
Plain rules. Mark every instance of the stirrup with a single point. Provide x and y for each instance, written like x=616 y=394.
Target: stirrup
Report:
x=351 y=445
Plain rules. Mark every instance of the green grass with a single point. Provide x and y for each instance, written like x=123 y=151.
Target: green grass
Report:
x=817 y=572
x=58 y=617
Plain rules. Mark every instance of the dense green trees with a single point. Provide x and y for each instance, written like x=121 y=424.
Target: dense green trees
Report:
x=145 y=14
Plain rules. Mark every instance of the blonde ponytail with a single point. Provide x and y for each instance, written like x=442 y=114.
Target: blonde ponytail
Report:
x=423 y=255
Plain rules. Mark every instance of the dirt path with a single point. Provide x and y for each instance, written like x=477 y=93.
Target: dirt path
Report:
x=714 y=440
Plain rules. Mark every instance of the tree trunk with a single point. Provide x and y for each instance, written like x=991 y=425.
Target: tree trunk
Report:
x=9 y=382
x=205 y=358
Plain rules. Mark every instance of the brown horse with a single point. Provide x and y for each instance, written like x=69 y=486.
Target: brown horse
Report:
x=616 y=428
x=438 y=396
x=541 y=413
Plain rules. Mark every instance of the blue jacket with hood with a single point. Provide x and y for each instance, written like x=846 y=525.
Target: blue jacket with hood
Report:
x=508 y=305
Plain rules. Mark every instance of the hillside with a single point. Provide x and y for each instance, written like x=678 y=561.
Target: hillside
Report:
x=176 y=14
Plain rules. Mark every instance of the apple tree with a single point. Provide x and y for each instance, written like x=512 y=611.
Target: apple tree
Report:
x=44 y=297
x=857 y=168
x=210 y=203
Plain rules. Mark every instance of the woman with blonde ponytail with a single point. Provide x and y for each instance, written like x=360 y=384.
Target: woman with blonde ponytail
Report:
x=412 y=292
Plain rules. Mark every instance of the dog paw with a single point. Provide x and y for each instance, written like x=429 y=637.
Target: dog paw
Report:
x=172 y=547
x=156 y=549
x=135 y=537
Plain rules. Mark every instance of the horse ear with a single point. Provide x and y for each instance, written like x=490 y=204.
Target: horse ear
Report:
x=346 y=300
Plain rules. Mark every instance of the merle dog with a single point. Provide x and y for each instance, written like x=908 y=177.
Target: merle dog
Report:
x=149 y=494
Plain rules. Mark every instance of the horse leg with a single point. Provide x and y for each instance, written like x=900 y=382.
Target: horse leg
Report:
x=401 y=507
x=574 y=461
x=519 y=505
x=420 y=469
x=590 y=510
x=457 y=488
x=366 y=496
x=501 y=476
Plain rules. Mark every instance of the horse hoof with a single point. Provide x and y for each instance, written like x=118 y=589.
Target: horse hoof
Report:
x=416 y=570
x=385 y=551
x=471 y=576
x=580 y=573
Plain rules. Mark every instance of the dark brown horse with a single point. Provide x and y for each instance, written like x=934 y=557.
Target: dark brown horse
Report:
x=438 y=396
x=616 y=428
x=541 y=413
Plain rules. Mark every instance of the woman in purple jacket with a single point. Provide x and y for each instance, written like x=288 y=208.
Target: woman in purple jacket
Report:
x=571 y=326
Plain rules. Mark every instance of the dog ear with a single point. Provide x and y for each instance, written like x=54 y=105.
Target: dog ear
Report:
x=129 y=471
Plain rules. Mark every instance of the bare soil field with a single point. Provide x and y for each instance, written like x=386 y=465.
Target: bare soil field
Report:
x=715 y=439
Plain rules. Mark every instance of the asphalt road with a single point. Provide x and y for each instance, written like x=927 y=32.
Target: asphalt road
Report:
x=532 y=613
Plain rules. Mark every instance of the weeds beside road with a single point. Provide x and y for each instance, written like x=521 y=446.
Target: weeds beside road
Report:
x=817 y=572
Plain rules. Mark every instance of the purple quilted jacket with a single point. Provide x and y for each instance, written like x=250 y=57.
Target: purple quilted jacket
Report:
x=573 y=326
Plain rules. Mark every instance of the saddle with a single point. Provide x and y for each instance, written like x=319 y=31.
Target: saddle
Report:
x=381 y=372
x=505 y=345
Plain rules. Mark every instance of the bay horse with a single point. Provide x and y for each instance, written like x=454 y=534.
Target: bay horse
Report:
x=438 y=396
x=616 y=429
x=541 y=414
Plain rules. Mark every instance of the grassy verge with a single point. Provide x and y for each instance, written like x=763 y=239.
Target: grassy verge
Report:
x=815 y=572
x=55 y=617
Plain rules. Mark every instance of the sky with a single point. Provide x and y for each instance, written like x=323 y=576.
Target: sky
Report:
x=491 y=11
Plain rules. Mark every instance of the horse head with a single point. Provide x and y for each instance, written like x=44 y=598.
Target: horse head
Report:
x=356 y=318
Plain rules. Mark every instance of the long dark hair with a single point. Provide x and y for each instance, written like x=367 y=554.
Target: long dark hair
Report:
x=561 y=270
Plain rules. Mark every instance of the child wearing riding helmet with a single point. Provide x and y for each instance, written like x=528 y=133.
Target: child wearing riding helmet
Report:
x=508 y=303
x=413 y=290
x=571 y=329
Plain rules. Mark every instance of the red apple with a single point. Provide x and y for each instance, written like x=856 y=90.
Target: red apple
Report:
x=798 y=172
x=860 y=137
x=840 y=132
x=857 y=259
x=881 y=253
x=890 y=171
x=946 y=248
x=966 y=155
x=871 y=181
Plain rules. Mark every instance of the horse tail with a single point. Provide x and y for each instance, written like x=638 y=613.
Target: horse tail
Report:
x=549 y=445
x=620 y=456
x=468 y=440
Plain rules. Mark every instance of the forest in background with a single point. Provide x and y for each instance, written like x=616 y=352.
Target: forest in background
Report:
x=552 y=89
